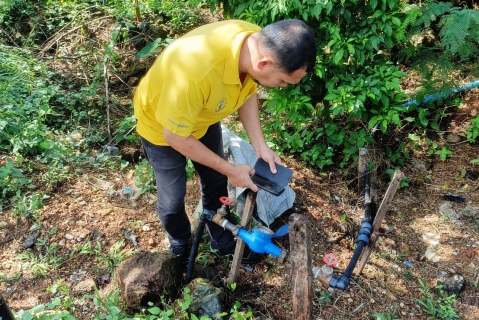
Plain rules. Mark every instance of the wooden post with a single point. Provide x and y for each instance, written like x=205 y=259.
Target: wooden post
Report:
x=383 y=208
x=245 y=223
x=300 y=257
x=361 y=169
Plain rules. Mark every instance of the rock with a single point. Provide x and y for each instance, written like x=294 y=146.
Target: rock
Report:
x=96 y=234
x=453 y=138
x=86 y=285
x=471 y=211
x=431 y=255
x=103 y=279
x=430 y=238
x=453 y=284
x=207 y=300
x=472 y=174
x=146 y=277
x=31 y=240
x=104 y=212
x=81 y=223
x=446 y=209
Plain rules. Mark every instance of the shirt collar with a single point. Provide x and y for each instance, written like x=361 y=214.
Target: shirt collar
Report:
x=231 y=72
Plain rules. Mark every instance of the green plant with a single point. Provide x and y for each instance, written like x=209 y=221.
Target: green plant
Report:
x=408 y=274
x=13 y=181
x=145 y=177
x=38 y=265
x=390 y=315
x=472 y=131
x=51 y=310
x=238 y=314
x=59 y=287
x=325 y=298
x=89 y=248
x=4 y=278
x=354 y=86
x=107 y=307
x=190 y=170
x=441 y=307
x=180 y=16
x=28 y=205
x=125 y=130
x=115 y=255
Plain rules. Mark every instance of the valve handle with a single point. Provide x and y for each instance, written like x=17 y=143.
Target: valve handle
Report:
x=282 y=231
x=330 y=260
x=226 y=201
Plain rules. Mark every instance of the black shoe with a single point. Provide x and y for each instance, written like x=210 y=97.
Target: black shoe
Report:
x=181 y=252
x=249 y=256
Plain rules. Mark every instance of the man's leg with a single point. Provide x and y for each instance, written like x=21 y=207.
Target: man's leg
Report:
x=169 y=167
x=214 y=186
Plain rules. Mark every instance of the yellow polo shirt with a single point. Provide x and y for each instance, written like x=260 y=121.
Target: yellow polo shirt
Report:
x=194 y=82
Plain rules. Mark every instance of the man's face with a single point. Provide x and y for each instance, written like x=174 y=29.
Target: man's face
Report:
x=269 y=76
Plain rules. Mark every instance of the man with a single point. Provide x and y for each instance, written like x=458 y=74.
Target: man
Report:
x=198 y=80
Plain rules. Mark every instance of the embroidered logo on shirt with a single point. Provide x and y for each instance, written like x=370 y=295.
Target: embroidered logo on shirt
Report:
x=178 y=124
x=221 y=105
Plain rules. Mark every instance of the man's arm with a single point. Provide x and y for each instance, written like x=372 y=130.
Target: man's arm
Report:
x=249 y=116
x=190 y=147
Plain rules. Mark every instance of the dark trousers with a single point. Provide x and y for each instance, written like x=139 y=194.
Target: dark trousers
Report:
x=170 y=172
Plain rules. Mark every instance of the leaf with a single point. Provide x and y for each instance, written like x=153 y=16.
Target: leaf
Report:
x=316 y=11
x=392 y=4
x=149 y=49
x=338 y=56
x=155 y=311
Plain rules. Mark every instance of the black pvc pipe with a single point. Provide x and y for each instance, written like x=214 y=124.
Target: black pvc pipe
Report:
x=194 y=248
x=5 y=312
x=362 y=240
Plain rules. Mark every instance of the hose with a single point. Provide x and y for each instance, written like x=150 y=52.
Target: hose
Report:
x=434 y=97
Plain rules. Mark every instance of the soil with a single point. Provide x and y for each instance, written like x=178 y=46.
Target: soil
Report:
x=84 y=207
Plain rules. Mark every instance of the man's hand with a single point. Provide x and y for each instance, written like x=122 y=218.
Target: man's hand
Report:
x=241 y=177
x=269 y=156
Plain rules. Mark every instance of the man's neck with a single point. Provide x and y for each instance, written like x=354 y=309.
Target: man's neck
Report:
x=245 y=61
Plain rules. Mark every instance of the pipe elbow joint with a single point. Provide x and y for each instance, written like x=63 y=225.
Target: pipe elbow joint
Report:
x=339 y=283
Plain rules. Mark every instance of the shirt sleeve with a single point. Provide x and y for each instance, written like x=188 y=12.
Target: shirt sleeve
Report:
x=179 y=105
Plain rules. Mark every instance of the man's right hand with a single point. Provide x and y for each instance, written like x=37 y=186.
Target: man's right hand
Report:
x=241 y=177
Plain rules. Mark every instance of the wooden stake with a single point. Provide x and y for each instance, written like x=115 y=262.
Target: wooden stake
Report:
x=245 y=223
x=300 y=257
x=383 y=208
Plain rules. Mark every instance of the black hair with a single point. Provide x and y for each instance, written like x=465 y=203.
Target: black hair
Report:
x=292 y=44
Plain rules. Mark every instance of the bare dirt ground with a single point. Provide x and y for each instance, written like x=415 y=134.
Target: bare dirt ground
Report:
x=81 y=207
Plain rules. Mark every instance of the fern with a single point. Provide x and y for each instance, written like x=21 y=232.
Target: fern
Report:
x=460 y=33
x=431 y=11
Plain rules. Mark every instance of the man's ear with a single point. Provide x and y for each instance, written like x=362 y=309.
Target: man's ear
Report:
x=263 y=63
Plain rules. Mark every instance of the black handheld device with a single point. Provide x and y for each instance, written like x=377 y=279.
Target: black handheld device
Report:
x=273 y=183
x=267 y=185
